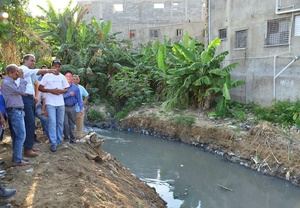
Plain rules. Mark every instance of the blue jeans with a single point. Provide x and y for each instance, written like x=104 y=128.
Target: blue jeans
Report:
x=18 y=132
x=56 y=116
x=29 y=119
x=43 y=119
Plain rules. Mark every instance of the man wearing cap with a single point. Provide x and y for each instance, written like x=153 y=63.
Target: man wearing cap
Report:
x=29 y=103
x=54 y=86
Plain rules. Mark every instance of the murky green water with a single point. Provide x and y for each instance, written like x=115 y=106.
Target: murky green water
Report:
x=187 y=177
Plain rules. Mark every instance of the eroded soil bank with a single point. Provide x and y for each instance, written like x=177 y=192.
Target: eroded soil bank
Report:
x=262 y=147
x=77 y=175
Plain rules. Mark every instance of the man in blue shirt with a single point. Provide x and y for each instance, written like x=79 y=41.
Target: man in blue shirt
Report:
x=71 y=98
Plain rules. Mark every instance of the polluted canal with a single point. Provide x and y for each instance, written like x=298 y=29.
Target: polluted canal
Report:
x=186 y=177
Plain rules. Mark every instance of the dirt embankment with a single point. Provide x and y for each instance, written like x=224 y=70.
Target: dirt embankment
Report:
x=263 y=147
x=77 y=175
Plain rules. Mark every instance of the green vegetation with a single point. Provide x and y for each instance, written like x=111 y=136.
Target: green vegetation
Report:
x=179 y=75
x=282 y=112
x=95 y=116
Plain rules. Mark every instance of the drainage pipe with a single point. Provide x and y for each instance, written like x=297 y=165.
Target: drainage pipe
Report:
x=279 y=73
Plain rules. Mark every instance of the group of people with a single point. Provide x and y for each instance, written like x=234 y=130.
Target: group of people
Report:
x=56 y=99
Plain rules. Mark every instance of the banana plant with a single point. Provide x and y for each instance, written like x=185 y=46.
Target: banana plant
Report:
x=194 y=75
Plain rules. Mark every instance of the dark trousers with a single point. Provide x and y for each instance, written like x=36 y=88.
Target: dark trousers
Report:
x=29 y=121
x=69 y=123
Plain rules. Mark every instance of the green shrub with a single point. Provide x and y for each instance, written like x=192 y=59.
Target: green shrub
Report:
x=95 y=116
x=282 y=112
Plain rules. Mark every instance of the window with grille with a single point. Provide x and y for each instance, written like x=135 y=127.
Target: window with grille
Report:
x=132 y=34
x=278 y=32
x=223 y=34
x=154 y=33
x=179 y=32
x=241 y=39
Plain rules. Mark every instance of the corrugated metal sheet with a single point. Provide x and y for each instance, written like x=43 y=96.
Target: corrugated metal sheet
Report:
x=297 y=25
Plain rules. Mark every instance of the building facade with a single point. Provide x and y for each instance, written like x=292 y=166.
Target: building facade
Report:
x=263 y=37
x=147 y=20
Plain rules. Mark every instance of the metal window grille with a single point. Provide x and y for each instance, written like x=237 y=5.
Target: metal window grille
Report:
x=241 y=39
x=179 y=32
x=278 y=32
x=132 y=34
x=223 y=34
x=154 y=33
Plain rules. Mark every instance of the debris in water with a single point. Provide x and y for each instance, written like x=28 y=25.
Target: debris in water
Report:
x=224 y=187
x=181 y=165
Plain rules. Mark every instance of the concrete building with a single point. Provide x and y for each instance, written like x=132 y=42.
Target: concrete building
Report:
x=263 y=37
x=147 y=20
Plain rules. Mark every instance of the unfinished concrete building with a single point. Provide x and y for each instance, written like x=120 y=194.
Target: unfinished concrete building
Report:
x=263 y=37
x=147 y=20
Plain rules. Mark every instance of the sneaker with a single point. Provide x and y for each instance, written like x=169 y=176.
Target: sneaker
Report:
x=7 y=193
x=53 y=148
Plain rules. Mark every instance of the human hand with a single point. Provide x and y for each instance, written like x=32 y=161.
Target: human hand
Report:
x=53 y=71
x=20 y=73
x=36 y=99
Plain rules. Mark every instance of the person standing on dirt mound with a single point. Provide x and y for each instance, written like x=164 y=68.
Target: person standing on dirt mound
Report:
x=80 y=114
x=54 y=86
x=29 y=102
x=12 y=94
x=72 y=98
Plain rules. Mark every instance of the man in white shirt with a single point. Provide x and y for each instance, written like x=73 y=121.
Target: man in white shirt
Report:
x=53 y=86
x=29 y=103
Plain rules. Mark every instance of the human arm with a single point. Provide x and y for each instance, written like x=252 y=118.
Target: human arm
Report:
x=84 y=94
x=44 y=110
x=9 y=87
x=36 y=91
x=52 y=91
x=29 y=72
x=79 y=99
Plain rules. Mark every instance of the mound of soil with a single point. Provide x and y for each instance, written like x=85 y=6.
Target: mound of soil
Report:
x=77 y=175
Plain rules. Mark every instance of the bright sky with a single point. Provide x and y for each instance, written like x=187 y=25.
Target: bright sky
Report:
x=58 y=4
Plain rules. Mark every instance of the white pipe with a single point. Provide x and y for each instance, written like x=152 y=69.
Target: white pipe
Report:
x=287 y=66
x=209 y=23
x=277 y=75
x=186 y=10
x=274 y=79
x=290 y=36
